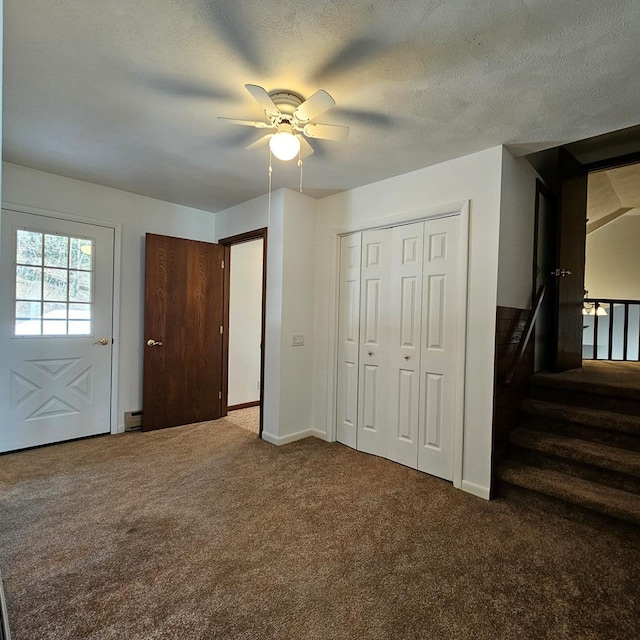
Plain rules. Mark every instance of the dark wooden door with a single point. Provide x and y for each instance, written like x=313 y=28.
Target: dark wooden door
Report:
x=183 y=316
x=571 y=238
x=544 y=264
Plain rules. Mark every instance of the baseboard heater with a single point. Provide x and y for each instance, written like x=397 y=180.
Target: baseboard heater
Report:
x=133 y=420
x=5 y=634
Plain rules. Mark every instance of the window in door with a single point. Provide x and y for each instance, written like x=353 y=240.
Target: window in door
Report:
x=53 y=284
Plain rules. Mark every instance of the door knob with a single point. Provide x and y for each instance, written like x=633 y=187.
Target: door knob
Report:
x=153 y=343
x=406 y=357
x=370 y=353
x=102 y=341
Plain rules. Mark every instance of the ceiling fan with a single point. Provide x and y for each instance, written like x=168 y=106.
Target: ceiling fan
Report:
x=289 y=116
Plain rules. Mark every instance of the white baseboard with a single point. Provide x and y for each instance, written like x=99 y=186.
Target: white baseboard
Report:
x=475 y=489
x=292 y=437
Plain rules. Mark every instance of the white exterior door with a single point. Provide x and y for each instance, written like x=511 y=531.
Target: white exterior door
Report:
x=349 y=337
x=405 y=313
x=439 y=357
x=56 y=324
x=374 y=342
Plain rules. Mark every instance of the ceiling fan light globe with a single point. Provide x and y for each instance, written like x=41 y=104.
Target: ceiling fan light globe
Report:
x=284 y=145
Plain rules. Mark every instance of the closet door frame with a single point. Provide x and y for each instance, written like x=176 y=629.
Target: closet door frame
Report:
x=462 y=209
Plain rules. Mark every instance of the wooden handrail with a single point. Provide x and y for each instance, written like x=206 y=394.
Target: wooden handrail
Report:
x=528 y=330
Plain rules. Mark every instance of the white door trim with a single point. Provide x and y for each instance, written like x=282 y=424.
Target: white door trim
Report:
x=460 y=208
x=117 y=259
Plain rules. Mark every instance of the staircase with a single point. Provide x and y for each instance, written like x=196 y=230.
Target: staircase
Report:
x=577 y=446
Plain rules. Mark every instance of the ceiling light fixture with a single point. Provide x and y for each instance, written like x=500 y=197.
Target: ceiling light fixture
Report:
x=284 y=144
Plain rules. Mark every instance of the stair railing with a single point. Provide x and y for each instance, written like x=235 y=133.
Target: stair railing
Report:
x=599 y=309
x=526 y=334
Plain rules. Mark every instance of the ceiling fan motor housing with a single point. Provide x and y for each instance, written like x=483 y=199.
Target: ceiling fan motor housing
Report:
x=287 y=101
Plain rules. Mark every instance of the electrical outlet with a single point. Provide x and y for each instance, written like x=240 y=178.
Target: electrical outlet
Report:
x=297 y=340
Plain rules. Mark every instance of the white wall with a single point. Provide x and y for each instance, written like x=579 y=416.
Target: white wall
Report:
x=245 y=322
x=517 y=221
x=612 y=268
x=290 y=305
x=476 y=178
x=137 y=215
x=298 y=299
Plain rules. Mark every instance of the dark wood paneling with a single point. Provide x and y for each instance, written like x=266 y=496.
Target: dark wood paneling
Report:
x=510 y=324
x=544 y=262
x=183 y=310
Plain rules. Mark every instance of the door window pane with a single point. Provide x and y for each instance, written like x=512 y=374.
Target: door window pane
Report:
x=80 y=286
x=29 y=283
x=81 y=254
x=55 y=311
x=28 y=310
x=53 y=284
x=56 y=251
x=79 y=327
x=54 y=327
x=28 y=316
x=79 y=319
x=28 y=247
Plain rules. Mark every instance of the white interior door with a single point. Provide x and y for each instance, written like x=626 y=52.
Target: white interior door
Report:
x=374 y=342
x=439 y=356
x=405 y=313
x=56 y=315
x=349 y=339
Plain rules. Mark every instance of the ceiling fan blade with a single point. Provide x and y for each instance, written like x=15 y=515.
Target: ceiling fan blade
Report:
x=248 y=123
x=352 y=55
x=260 y=142
x=366 y=117
x=326 y=131
x=318 y=103
x=183 y=87
x=231 y=22
x=305 y=148
x=263 y=99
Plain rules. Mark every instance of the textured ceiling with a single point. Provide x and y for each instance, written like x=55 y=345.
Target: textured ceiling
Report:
x=127 y=93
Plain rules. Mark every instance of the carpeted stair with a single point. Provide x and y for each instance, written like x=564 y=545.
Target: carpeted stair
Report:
x=578 y=445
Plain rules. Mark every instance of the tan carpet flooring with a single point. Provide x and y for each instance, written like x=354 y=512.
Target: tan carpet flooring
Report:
x=248 y=419
x=205 y=532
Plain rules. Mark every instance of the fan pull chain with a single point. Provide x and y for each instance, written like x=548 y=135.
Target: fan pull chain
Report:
x=300 y=165
x=270 y=172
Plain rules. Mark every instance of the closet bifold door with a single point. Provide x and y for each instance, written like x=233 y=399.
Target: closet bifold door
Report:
x=405 y=314
x=438 y=358
x=375 y=310
x=348 y=340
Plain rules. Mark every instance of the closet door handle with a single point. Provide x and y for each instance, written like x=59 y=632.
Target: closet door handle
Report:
x=406 y=357
x=370 y=353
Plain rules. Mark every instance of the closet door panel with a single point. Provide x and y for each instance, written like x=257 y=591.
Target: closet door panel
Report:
x=348 y=340
x=439 y=345
x=374 y=342
x=405 y=314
